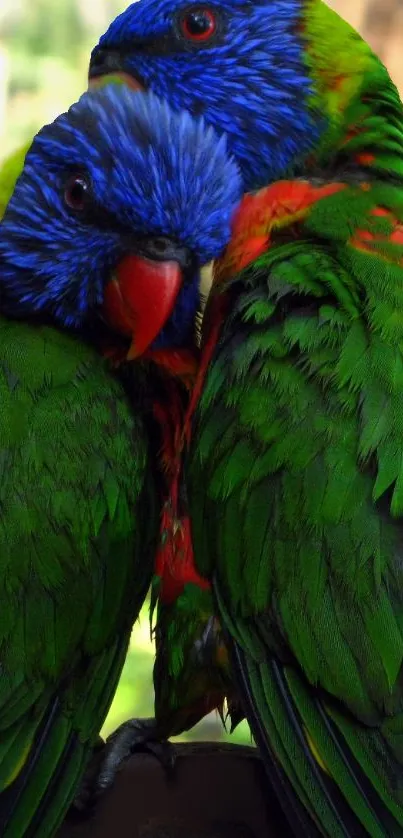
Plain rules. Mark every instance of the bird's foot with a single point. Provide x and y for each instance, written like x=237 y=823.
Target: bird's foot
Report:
x=108 y=757
x=133 y=735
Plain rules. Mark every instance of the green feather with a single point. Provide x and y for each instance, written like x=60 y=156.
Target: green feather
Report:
x=76 y=556
x=296 y=466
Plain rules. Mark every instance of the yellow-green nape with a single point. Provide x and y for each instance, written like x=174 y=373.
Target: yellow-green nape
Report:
x=339 y=59
x=10 y=170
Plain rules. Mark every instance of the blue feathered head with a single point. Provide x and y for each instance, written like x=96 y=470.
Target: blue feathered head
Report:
x=240 y=63
x=122 y=188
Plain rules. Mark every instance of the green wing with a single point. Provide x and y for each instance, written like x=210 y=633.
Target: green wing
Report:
x=77 y=526
x=10 y=171
x=297 y=466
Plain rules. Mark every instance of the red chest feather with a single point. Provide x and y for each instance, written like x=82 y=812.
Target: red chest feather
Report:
x=175 y=561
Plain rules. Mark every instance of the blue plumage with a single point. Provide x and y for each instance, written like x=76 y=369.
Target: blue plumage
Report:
x=255 y=59
x=149 y=171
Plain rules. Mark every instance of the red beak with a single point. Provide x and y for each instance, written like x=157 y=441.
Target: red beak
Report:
x=140 y=299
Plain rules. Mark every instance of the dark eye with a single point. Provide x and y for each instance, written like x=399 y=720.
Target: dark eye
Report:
x=76 y=192
x=199 y=24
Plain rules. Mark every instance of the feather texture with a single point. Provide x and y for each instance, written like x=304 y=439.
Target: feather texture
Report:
x=81 y=480
x=294 y=461
x=76 y=562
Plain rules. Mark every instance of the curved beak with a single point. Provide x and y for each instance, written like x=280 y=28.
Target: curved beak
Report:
x=140 y=298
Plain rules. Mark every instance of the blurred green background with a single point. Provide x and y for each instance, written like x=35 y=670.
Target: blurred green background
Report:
x=44 y=51
x=134 y=696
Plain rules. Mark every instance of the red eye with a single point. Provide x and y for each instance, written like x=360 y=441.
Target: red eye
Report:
x=76 y=192
x=199 y=25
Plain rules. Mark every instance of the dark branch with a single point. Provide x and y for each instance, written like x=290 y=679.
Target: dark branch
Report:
x=217 y=791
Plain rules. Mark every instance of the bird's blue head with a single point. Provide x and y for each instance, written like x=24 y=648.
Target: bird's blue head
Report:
x=240 y=63
x=120 y=204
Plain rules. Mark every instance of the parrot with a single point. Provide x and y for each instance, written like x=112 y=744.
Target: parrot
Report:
x=291 y=84
x=121 y=202
x=295 y=494
x=288 y=81
x=293 y=469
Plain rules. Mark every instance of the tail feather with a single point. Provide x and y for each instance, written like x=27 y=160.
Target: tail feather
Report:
x=15 y=749
x=330 y=803
x=60 y=743
x=11 y=797
x=296 y=817
x=333 y=764
x=361 y=783
x=372 y=750
x=346 y=774
x=61 y=790
x=35 y=804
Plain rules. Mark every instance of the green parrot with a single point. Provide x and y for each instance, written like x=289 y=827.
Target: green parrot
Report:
x=120 y=202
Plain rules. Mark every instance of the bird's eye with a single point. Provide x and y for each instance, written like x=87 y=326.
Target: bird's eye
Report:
x=76 y=192
x=198 y=24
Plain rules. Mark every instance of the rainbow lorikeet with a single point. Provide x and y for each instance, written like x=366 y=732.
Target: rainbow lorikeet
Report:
x=293 y=473
x=119 y=204
x=291 y=84
x=288 y=81
x=294 y=463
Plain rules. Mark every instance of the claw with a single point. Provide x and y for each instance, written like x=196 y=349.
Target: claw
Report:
x=107 y=758
x=164 y=752
x=133 y=735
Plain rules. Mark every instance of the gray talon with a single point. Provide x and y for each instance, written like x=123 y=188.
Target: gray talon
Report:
x=135 y=734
